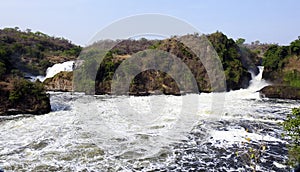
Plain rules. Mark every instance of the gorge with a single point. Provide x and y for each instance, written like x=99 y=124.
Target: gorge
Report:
x=82 y=131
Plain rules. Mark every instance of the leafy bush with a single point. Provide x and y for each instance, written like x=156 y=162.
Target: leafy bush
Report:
x=295 y=47
x=274 y=57
x=23 y=88
x=292 y=128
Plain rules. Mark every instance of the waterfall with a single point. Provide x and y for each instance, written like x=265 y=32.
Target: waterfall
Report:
x=251 y=92
x=257 y=82
x=55 y=69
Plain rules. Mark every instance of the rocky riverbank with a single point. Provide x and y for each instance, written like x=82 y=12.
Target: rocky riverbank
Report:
x=281 y=92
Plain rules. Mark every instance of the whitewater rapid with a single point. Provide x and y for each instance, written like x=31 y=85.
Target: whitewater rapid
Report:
x=92 y=133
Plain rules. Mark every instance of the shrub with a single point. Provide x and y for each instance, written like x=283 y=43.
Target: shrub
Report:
x=23 y=88
x=274 y=57
x=292 y=128
x=292 y=78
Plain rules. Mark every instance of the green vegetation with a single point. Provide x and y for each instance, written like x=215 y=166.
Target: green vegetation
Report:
x=295 y=47
x=34 y=52
x=240 y=41
x=256 y=48
x=231 y=58
x=282 y=69
x=28 y=52
x=23 y=88
x=292 y=78
x=281 y=64
x=274 y=57
x=84 y=76
x=22 y=96
x=292 y=127
x=2 y=69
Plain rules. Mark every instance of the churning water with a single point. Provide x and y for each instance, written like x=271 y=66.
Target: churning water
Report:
x=105 y=133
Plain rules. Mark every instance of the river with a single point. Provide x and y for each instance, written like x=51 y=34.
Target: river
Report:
x=92 y=133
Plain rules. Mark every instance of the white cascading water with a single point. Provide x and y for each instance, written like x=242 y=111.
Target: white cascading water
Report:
x=55 y=69
x=256 y=84
x=88 y=133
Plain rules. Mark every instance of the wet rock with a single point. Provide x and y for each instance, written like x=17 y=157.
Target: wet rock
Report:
x=281 y=92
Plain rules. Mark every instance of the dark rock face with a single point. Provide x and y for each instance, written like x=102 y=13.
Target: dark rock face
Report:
x=244 y=82
x=249 y=60
x=280 y=91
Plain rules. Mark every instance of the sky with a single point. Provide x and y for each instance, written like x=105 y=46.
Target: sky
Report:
x=269 y=21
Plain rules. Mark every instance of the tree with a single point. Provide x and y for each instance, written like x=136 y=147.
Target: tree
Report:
x=28 y=30
x=240 y=41
x=295 y=47
x=274 y=57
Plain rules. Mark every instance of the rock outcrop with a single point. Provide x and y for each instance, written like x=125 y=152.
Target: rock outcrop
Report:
x=62 y=81
x=281 y=92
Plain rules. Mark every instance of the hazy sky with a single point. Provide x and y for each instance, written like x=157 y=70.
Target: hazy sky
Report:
x=272 y=21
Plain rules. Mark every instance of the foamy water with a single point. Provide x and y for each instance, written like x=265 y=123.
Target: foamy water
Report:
x=120 y=133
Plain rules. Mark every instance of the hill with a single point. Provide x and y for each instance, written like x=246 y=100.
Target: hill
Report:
x=33 y=52
x=25 y=52
x=235 y=61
